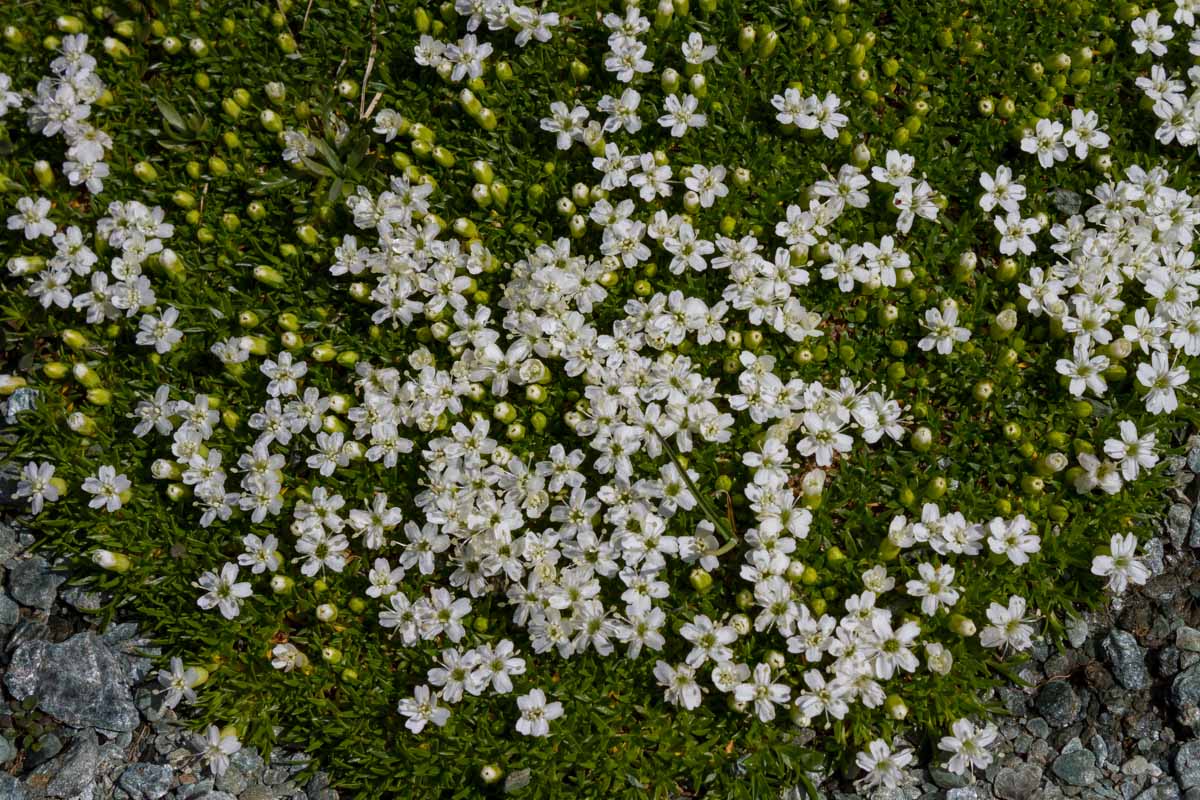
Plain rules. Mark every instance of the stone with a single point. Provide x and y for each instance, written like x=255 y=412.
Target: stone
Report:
x=964 y=793
x=1058 y=703
x=7 y=751
x=1194 y=536
x=1066 y=201
x=48 y=746
x=1077 y=631
x=1188 y=639
x=1128 y=660
x=1038 y=727
x=258 y=791
x=1078 y=767
x=233 y=781
x=72 y=773
x=1185 y=689
x=1177 y=523
x=22 y=399
x=1163 y=790
x=1138 y=765
x=10 y=612
x=1017 y=783
x=11 y=788
x=1187 y=764
x=81 y=682
x=946 y=779
x=32 y=583
x=147 y=781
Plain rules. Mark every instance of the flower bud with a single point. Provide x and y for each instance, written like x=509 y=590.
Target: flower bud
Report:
x=491 y=774
x=670 y=81
x=113 y=562
x=327 y=612
x=165 y=469
x=775 y=660
x=701 y=580
x=332 y=655
x=281 y=584
x=741 y=624
x=895 y=707
x=961 y=625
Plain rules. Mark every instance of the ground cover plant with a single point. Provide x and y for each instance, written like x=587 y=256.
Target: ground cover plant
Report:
x=625 y=401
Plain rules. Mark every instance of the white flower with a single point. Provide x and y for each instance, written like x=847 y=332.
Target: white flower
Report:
x=695 y=51
x=536 y=713
x=1133 y=452
x=969 y=746
x=32 y=218
x=1001 y=190
x=1085 y=133
x=287 y=657
x=680 y=682
x=884 y=767
x=1149 y=35
x=764 y=693
x=178 y=683
x=160 y=332
x=224 y=591
x=709 y=641
x=1086 y=372
x=423 y=708
x=1121 y=566
x=35 y=484
x=218 y=748
x=388 y=123
x=1162 y=380
x=681 y=114
x=1013 y=538
x=943 y=332
x=707 y=182
x=935 y=588
x=107 y=486
x=1008 y=628
x=1046 y=142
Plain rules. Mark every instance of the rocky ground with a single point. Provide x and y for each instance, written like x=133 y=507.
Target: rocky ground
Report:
x=1115 y=715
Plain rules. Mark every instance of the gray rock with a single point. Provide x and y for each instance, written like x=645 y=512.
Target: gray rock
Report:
x=1078 y=767
x=80 y=599
x=7 y=751
x=48 y=746
x=964 y=793
x=259 y=791
x=1187 y=764
x=1185 y=689
x=10 y=612
x=233 y=780
x=10 y=544
x=1058 y=703
x=1188 y=639
x=1179 y=517
x=1066 y=201
x=1077 y=631
x=22 y=399
x=1163 y=790
x=81 y=681
x=1194 y=536
x=216 y=795
x=32 y=583
x=946 y=779
x=72 y=773
x=1128 y=660
x=11 y=788
x=147 y=781
x=1017 y=783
